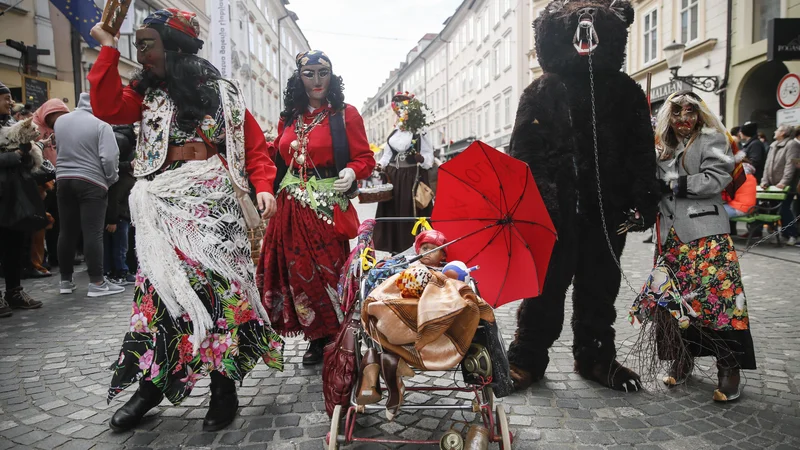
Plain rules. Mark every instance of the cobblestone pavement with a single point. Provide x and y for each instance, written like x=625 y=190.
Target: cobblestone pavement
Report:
x=53 y=382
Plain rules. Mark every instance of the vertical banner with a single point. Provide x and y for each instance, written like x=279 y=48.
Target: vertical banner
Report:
x=220 y=37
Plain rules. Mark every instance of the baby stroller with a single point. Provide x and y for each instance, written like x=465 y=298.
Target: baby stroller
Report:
x=484 y=368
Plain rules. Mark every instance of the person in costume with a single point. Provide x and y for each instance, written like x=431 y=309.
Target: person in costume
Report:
x=695 y=165
x=323 y=149
x=405 y=160
x=195 y=310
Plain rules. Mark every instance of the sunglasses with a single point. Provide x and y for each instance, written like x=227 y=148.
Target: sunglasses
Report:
x=310 y=74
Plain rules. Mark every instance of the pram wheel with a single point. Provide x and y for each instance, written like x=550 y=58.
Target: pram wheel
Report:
x=333 y=434
x=505 y=433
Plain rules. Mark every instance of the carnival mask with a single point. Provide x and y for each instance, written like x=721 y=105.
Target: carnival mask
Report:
x=683 y=119
x=316 y=80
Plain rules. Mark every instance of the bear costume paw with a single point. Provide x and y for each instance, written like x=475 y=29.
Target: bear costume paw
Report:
x=610 y=374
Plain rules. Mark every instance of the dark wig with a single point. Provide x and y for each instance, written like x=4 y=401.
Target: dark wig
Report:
x=295 y=99
x=187 y=80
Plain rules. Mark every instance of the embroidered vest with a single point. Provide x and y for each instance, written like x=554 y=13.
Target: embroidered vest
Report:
x=157 y=112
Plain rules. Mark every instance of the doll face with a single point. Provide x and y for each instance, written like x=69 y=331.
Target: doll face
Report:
x=316 y=79
x=684 y=119
x=432 y=259
x=150 y=52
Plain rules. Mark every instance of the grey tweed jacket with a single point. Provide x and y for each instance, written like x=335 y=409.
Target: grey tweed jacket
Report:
x=703 y=171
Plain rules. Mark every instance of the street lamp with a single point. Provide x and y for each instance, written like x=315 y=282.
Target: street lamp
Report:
x=674 y=54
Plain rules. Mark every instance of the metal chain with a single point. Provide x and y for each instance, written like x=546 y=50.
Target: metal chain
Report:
x=768 y=237
x=599 y=186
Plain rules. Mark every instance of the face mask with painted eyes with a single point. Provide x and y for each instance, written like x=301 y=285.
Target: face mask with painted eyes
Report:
x=316 y=80
x=683 y=119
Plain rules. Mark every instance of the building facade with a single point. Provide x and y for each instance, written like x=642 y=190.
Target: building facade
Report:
x=753 y=81
x=470 y=75
x=701 y=25
x=38 y=22
x=265 y=38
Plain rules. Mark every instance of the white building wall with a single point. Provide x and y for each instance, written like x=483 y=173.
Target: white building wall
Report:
x=473 y=72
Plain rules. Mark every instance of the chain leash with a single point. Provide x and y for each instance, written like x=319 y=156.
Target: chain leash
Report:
x=599 y=186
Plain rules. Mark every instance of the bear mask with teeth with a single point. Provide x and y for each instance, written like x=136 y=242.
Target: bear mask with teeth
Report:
x=580 y=45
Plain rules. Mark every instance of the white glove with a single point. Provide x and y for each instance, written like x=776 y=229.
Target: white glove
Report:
x=346 y=178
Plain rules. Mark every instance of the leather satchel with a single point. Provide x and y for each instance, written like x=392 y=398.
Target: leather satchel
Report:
x=423 y=196
x=339 y=366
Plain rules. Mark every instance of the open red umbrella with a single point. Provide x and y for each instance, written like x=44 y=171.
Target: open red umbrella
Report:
x=488 y=203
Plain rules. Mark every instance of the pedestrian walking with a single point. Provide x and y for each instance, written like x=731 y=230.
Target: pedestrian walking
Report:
x=86 y=166
x=196 y=308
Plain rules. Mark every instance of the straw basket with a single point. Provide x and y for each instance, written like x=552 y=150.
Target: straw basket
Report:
x=376 y=194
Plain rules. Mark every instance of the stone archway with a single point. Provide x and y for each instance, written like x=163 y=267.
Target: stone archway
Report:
x=757 y=101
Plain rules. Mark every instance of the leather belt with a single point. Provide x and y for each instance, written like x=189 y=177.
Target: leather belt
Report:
x=190 y=151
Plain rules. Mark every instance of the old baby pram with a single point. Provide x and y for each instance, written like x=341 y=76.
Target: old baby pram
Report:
x=483 y=371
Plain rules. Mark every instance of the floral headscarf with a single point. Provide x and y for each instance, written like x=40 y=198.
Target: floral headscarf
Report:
x=183 y=21
x=313 y=57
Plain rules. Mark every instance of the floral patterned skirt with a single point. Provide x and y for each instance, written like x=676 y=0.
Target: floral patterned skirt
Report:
x=708 y=276
x=161 y=347
x=299 y=271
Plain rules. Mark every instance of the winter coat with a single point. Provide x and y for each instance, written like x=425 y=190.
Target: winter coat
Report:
x=87 y=148
x=702 y=172
x=118 y=207
x=779 y=168
x=756 y=152
x=745 y=196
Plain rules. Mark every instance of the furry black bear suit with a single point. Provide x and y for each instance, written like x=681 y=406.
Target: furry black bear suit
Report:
x=553 y=133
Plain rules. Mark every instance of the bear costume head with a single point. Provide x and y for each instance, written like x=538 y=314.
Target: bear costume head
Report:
x=568 y=31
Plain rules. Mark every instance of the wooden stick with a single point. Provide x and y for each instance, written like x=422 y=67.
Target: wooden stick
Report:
x=649 y=83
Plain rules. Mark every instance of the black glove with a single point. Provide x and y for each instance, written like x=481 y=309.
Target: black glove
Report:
x=665 y=189
x=25 y=147
x=635 y=222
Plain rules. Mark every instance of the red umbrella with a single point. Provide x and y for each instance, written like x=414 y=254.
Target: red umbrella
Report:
x=488 y=204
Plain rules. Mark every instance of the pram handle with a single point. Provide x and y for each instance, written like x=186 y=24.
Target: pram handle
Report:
x=400 y=219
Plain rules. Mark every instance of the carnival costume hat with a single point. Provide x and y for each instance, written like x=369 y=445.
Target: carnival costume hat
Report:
x=312 y=58
x=434 y=237
x=181 y=21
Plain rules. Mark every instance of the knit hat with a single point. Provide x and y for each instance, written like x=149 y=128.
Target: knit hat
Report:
x=430 y=237
x=749 y=129
x=4 y=89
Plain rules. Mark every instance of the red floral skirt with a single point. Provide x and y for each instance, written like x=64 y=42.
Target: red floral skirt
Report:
x=299 y=270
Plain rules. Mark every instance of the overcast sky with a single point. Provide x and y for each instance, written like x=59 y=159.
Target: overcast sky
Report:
x=366 y=39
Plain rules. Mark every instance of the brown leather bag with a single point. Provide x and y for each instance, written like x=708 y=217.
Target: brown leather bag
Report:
x=339 y=365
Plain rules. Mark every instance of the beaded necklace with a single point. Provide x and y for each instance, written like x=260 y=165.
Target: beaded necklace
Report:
x=299 y=146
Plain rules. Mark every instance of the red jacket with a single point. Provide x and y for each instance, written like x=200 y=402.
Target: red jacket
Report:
x=121 y=106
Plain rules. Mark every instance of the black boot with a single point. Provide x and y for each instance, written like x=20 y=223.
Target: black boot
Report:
x=314 y=353
x=223 y=405
x=147 y=397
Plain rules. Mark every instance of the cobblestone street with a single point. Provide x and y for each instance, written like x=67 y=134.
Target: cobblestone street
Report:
x=53 y=384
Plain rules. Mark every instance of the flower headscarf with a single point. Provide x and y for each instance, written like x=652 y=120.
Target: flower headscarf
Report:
x=313 y=57
x=183 y=21
x=434 y=237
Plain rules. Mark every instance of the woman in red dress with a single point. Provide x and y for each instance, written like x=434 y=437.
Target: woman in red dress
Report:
x=307 y=241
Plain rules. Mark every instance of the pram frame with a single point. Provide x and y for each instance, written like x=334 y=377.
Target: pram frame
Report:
x=493 y=415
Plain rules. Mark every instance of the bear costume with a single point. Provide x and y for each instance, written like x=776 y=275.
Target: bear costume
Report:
x=580 y=46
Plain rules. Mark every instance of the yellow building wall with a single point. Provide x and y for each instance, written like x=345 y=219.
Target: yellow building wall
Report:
x=746 y=56
x=58 y=89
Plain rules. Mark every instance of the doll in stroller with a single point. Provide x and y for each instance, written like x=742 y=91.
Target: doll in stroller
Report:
x=413 y=311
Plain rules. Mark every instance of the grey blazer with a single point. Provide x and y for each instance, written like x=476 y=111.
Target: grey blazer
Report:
x=703 y=171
